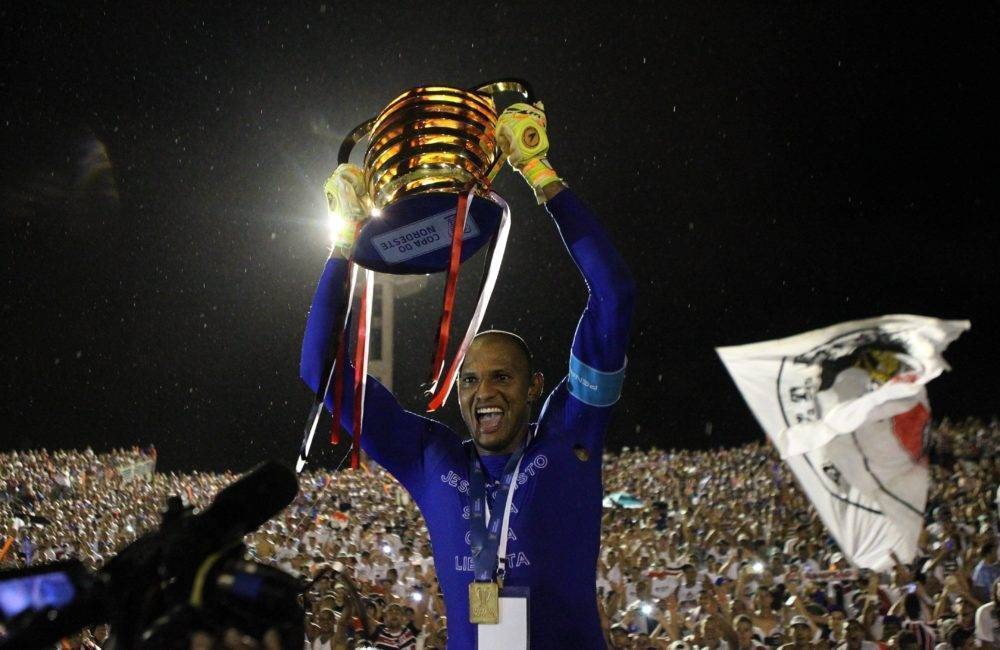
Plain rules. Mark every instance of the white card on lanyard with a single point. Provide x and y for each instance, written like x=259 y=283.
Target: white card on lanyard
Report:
x=511 y=633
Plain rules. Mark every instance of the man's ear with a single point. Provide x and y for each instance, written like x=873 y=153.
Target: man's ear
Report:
x=535 y=389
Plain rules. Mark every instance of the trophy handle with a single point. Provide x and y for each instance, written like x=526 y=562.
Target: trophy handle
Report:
x=511 y=85
x=359 y=132
x=507 y=86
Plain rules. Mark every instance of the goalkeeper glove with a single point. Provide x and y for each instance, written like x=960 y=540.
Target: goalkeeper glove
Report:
x=521 y=134
x=350 y=205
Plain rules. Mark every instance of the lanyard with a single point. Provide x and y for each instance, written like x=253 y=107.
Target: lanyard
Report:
x=488 y=534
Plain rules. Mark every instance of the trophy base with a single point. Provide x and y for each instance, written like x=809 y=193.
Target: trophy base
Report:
x=413 y=235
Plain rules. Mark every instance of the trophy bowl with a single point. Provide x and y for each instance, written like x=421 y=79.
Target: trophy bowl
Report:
x=427 y=148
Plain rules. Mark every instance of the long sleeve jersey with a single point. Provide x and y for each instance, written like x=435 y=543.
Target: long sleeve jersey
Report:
x=555 y=521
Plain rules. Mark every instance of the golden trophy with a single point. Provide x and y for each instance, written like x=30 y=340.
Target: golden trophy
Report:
x=430 y=146
x=432 y=154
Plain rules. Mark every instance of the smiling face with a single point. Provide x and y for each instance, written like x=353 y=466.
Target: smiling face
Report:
x=394 y=617
x=495 y=390
x=801 y=635
x=744 y=632
x=836 y=621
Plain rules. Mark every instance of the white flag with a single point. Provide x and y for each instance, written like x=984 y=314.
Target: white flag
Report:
x=847 y=409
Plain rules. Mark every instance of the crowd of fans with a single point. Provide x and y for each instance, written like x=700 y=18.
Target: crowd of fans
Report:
x=724 y=551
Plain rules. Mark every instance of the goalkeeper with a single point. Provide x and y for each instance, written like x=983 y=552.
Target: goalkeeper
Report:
x=519 y=503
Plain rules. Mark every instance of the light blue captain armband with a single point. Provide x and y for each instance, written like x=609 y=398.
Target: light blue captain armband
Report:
x=592 y=386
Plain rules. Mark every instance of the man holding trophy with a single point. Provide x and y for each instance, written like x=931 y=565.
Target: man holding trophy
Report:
x=514 y=514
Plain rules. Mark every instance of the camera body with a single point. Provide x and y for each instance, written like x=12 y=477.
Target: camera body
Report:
x=246 y=596
x=188 y=575
x=56 y=593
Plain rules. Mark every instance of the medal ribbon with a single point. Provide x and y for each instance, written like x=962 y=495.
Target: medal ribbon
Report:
x=485 y=537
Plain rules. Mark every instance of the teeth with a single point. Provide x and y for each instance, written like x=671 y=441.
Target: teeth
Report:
x=486 y=410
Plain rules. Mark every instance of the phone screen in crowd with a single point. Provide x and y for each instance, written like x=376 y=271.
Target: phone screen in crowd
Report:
x=35 y=592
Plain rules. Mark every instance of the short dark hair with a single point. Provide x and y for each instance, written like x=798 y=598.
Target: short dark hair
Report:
x=513 y=338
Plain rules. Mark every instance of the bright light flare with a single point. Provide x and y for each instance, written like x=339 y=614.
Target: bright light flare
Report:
x=337 y=225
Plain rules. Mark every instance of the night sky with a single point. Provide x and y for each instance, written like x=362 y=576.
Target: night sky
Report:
x=764 y=170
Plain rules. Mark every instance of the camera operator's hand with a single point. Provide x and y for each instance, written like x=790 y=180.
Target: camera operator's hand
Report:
x=233 y=640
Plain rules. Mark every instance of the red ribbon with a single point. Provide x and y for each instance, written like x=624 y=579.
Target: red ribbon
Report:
x=438 y=399
x=338 y=378
x=360 y=370
x=338 y=369
x=448 y=309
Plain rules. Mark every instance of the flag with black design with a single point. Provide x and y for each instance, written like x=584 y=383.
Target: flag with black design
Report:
x=846 y=407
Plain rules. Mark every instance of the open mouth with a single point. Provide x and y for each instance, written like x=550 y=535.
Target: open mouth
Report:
x=488 y=419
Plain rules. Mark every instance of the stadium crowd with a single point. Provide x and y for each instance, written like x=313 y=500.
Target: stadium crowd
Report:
x=710 y=549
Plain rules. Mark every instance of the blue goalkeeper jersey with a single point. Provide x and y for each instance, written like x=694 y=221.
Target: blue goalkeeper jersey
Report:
x=555 y=521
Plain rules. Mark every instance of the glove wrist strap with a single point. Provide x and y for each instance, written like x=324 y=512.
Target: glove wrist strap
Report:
x=539 y=173
x=344 y=236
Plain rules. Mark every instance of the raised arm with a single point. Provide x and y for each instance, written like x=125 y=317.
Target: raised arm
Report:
x=398 y=440
x=597 y=359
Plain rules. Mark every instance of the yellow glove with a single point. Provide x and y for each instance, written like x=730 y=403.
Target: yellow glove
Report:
x=522 y=138
x=349 y=204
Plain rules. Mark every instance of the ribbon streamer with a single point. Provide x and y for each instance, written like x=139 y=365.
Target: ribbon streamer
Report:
x=361 y=364
x=342 y=355
x=312 y=421
x=450 y=285
x=498 y=247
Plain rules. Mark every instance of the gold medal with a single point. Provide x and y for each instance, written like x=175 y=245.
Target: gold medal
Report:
x=484 y=603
